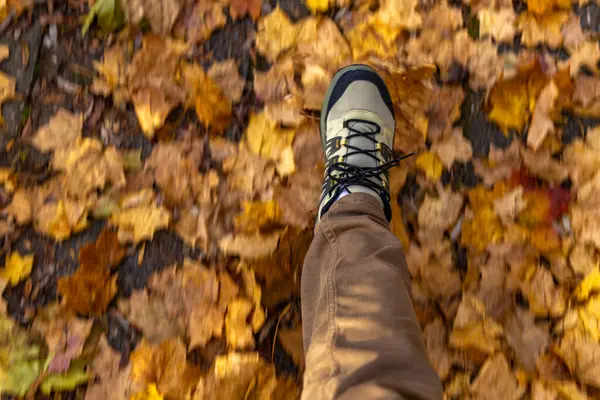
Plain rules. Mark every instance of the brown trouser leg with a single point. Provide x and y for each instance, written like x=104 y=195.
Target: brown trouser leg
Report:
x=361 y=335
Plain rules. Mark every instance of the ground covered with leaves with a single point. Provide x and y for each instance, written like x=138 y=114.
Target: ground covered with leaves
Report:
x=161 y=167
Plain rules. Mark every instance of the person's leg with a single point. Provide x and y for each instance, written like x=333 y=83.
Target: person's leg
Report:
x=361 y=336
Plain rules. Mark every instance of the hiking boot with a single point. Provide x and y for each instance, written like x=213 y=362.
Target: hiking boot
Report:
x=357 y=133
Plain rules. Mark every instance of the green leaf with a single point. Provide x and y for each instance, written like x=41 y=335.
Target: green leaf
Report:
x=75 y=376
x=109 y=15
x=21 y=358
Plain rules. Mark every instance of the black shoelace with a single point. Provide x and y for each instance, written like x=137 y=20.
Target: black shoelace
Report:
x=344 y=175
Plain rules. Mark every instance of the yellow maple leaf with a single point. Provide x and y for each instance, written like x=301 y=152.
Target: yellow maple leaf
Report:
x=276 y=34
x=430 y=164
x=317 y=6
x=139 y=223
x=545 y=29
x=588 y=285
x=482 y=229
x=258 y=214
x=212 y=106
x=270 y=141
x=512 y=101
x=17 y=267
x=540 y=7
x=151 y=393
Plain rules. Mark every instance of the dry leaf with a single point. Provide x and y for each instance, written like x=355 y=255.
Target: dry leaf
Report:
x=92 y=287
x=63 y=130
x=276 y=34
x=473 y=329
x=541 y=123
x=499 y=24
x=453 y=148
x=139 y=223
x=271 y=142
x=17 y=267
x=581 y=354
x=250 y=247
x=226 y=75
x=544 y=29
x=496 y=379
x=430 y=164
x=213 y=108
x=160 y=14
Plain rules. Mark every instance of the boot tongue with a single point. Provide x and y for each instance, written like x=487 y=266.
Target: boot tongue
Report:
x=361 y=142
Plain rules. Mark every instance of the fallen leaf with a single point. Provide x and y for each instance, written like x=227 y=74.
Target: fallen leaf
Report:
x=473 y=329
x=436 y=215
x=237 y=331
x=200 y=19
x=271 y=142
x=165 y=366
x=151 y=81
x=498 y=24
x=160 y=15
x=430 y=164
x=213 y=108
x=108 y=14
x=92 y=287
x=496 y=379
x=581 y=354
x=436 y=340
x=250 y=246
x=541 y=124
x=545 y=298
x=63 y=130
x=277 y=83
x=527 y=339
x=444 y=111
x=540 y=7
x=453 y=148
x=276 y=34
x=88 y=167
x=139 y=223
x=151 y=393
x=586 y=55
x=237 y=375
x=20 y=207
x=17 y=267
x=226 y=75
x=239 y=8
x=65 y=335
x=544 y=29
x=193 y=299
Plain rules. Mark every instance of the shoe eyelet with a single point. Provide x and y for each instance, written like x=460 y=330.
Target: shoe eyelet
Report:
x=343 y=142
x=340 y=159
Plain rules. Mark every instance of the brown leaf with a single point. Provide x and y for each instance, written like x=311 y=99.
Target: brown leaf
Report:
x=453 y=148
x=165 y=366
x=150 y=80
x=226 y=75
x=241 y=375
x=545 y=298
x=107 y=360
x=500 y=163
x=498 y=24
x=472 y=329
x=495 y=379
x=443 y=111
x=581 y=353
x=87 y=167
x=20 y=207
x=276 y=34
x=298 y=201
x=92 y=287
x=193 y=299
x=160 y=14
x=63 y=130
x=541 y=124
x=200 y=19
x=542 y=165
x=544 y=29
x=250 y=247
x=527 y=339
x=277 y=83
x=436 y=339
x=65 y=335
x=436 y=215
x=212 y=106
x=239 y=8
